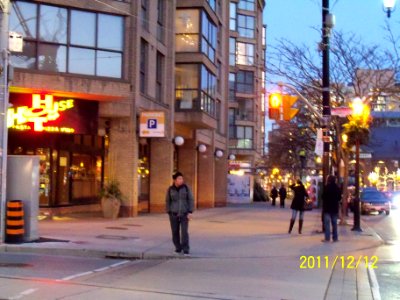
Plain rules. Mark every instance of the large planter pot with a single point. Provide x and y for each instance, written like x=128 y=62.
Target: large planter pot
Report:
x=110 y=207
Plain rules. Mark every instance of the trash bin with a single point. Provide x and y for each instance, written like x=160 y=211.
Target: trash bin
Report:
x=15 y=227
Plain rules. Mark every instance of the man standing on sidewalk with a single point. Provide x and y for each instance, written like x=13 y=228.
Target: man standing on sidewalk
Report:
x=179 y=206
x=282 y=195
x=331 y=197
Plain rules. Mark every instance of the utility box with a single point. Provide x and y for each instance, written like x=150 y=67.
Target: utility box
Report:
x=23 y=184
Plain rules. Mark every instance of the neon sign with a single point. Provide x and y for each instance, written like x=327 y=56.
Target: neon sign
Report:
x=43 y=110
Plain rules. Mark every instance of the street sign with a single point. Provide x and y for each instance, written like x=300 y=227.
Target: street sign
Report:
x=342 y=111
x=287 y=103
x=152 y=124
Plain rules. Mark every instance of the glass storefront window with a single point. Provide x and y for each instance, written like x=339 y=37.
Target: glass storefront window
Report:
x=52 y=58
x=246 y=26
x=53 y=24
x=187 y=30
x=247 y=5
x=245 y=53
x=79 y=20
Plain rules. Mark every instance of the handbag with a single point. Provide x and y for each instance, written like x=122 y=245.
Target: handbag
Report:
x=308 y=204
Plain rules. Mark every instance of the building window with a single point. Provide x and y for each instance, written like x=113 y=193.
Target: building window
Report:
x=245 y=110
x=245 y=82
x=212 y=4
x=159 y=76
x=186 y=86
x=144 y=46
x=144 y=14
x=244 y=136
x=232 y=86
x=232 y=16
x=247 y=4
x=232 y=51
x=219 y=77
x=187 y=30
x=246 y=26
x=97 y=50
x=245 y=53
x=209 y=37
x=160 y=20
x=208 y=91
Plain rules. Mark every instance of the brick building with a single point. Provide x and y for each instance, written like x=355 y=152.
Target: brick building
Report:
x=96 y=66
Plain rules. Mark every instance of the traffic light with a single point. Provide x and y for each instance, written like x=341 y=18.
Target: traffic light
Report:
x=288 y=111
x=274 y=109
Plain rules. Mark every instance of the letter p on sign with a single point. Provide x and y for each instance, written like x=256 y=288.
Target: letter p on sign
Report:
x=152 y=123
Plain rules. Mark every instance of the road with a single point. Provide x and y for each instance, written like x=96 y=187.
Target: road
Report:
x=388 y=271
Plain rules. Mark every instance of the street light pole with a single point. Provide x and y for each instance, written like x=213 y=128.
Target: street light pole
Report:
x=4 y=7
x=356 y=226
x=326 y=109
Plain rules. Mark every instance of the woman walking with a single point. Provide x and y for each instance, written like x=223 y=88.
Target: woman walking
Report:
x=300 y=194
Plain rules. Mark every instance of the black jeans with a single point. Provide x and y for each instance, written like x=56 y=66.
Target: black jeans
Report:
x=180 y=226
x=282 y=201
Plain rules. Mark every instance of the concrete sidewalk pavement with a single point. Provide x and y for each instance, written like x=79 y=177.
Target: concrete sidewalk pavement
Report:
x=256 y=231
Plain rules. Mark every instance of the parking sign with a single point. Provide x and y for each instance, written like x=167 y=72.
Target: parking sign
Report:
x=152 y=124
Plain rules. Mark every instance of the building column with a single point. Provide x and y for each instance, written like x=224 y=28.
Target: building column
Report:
x=161 y=167
x=122 y=163
x=221 y=174
x=206 y=179
x=187 y=164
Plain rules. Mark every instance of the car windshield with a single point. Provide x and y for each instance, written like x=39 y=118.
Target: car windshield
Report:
x=373 y=197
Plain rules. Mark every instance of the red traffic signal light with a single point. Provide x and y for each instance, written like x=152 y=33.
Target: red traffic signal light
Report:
x=274 y=109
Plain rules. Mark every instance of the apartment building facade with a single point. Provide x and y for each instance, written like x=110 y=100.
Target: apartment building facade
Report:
x=95 y=69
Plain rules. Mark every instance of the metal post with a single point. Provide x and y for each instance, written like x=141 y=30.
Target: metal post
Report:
x=356 y=226
x=4 y=6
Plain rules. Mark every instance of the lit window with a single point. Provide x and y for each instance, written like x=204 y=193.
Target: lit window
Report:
x=245 y=53
x=187 y=30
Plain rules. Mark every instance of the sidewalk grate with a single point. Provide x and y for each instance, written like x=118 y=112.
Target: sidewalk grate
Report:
x=133 y=225
x=117 y=228
x=14 y=265
x=115 y=237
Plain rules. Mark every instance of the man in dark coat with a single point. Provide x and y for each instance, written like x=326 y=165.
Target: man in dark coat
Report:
x=297 y=205
x=274 y=195
x=331 y=198
x=179 y=206
x=282 y=195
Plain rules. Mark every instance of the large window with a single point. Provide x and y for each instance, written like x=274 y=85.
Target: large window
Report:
x=54 y=40
x=208 y=91
x=187 y=30
x=159 y=77
x=232 y=86
x=186 y=85
x=232 y=51
x=232 y=16
x=244 y=136
x=247 y=4
x=144 y=48
x=245 y=53
x=245 y=82
x=246 y=26
x=231 y=121
x=144 y=14
x=209 y=37
x=245 y=110
x=160 y=20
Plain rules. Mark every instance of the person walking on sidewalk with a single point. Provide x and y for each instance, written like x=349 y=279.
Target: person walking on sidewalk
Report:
x=179 y=206
x=274 y=195
x=297 y=205
x=331 y=197
x=282 y=195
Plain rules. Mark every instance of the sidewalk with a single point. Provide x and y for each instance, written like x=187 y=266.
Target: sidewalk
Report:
x=241 y=231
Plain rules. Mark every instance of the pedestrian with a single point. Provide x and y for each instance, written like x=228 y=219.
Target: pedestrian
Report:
x=179 y=206
x=300 y=194
x=274 y=195
x=331 y=197
x=282 y=195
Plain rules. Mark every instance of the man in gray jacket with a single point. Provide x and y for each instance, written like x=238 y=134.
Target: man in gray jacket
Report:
x=179 y=206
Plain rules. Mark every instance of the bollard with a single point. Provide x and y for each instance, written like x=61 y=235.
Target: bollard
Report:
x=15 y=222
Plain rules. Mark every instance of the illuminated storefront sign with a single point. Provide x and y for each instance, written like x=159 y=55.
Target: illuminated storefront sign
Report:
x=152 y=124
x=45 y=113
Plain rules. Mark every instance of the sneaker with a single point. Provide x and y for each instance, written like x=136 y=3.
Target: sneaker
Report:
x=186 y=253
x=325 y=241
x=177 y=252
x=335 y=240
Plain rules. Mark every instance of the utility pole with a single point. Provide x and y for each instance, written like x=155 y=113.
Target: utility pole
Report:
x=326 y=108
x=4 y=34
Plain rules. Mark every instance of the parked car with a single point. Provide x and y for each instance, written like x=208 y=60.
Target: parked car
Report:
x=373 y=200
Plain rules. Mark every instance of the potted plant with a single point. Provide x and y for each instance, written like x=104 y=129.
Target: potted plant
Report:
x=111 y=198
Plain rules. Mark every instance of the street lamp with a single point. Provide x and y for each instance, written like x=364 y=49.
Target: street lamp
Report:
x=360 y=116
x=389 y=6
